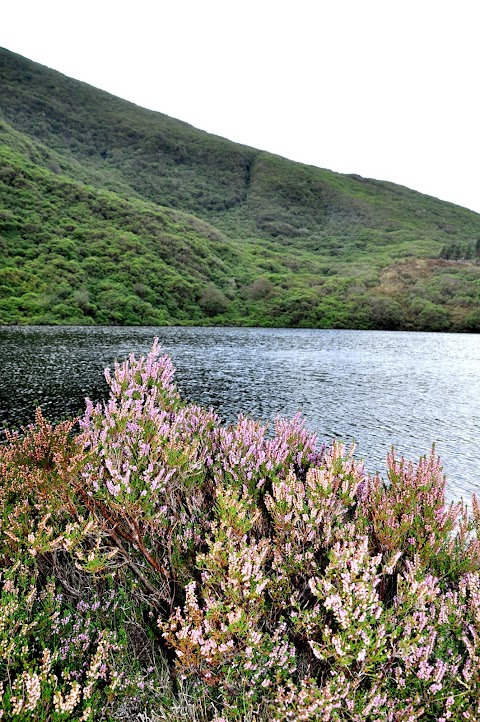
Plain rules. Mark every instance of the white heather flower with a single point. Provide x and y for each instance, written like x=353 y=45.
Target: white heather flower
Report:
x=69 y=702
x=32 y=684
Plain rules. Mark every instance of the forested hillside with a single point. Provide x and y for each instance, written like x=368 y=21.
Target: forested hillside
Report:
x=110 y=213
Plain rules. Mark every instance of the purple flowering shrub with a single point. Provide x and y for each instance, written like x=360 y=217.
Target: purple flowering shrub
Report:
x=55 y=661
x=160 y=558
x=410 y=514
x=63 y=615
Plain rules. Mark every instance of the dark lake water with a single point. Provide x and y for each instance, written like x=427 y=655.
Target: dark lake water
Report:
x=380 y=389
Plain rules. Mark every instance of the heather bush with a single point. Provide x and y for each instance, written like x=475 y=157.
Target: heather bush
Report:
x=54 y=657
x=160 y=564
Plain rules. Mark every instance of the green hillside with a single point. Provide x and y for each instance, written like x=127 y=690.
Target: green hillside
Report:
x=110 y=213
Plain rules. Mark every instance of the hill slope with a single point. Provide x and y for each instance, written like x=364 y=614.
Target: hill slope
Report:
x=111 y=213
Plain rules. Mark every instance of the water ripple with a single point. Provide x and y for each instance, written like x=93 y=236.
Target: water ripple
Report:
x=378 y=388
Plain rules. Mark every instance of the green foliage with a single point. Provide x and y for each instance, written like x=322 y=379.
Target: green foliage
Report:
x=457 y=251
x=212 y=301
x=112 y=214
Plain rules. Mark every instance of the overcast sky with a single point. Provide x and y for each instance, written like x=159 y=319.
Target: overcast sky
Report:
x=387 y=89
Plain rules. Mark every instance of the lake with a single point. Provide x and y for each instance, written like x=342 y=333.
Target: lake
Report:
x=378 y=388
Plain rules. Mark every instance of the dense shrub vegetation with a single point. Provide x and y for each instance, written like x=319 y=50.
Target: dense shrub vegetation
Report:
x=160 y=564
x=113 y=214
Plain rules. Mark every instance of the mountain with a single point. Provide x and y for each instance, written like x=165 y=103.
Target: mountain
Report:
x=113 y=214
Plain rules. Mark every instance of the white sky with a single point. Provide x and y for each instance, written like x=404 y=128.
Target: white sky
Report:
x=387 y=89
